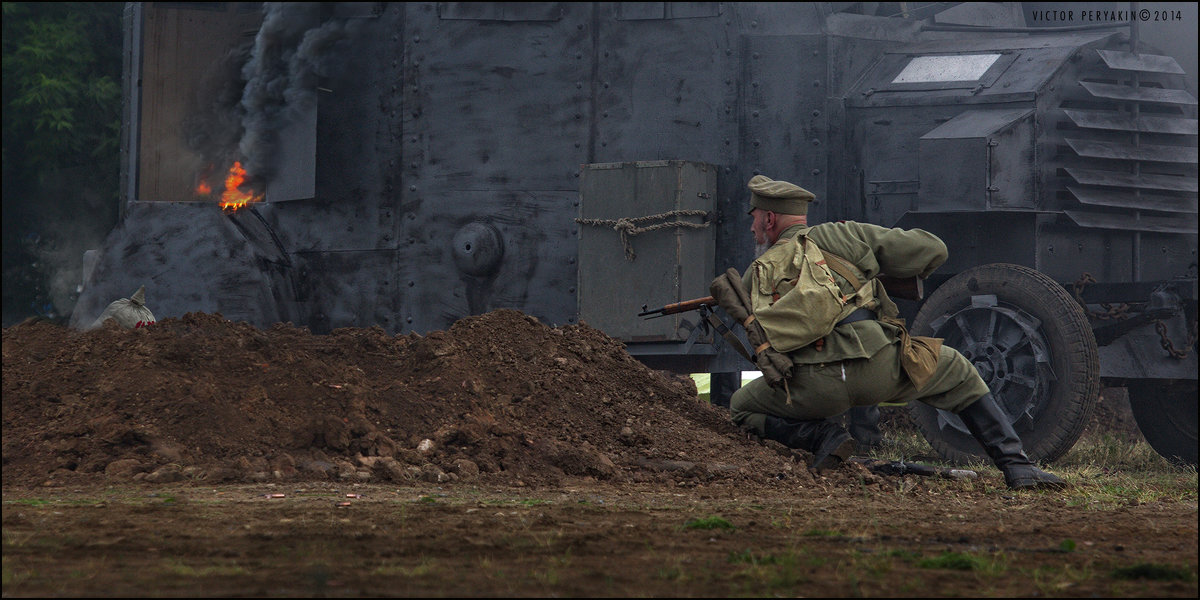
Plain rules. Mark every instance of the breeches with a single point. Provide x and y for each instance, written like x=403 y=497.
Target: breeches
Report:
x=819 y=391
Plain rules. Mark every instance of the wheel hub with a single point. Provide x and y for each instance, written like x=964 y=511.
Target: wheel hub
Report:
x=1007 y=348
x=990 y=361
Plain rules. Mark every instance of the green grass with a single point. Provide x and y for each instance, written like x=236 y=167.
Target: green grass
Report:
x=956 y=561
x=1153 y=571
x=1106 y=472
x=985 y=564
x=708 y=523
x=177 y=567
x=427 y=566
x=39 y=502
x=767 y=573
x=822 y=533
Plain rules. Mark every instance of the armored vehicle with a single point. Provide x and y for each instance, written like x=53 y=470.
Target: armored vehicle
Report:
x=404 y=165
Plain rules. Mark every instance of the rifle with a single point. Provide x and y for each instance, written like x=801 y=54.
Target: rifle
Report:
x=899 y=467
x=909 y=288
x=678 y=307
x=704 y=305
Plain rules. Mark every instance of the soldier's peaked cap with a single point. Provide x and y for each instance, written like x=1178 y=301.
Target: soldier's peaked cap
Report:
x=779 y=196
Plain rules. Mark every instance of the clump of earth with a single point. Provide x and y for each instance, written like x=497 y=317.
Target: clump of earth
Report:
x=497 y=398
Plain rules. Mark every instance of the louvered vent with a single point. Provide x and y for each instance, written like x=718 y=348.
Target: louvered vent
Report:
x=1130 y=158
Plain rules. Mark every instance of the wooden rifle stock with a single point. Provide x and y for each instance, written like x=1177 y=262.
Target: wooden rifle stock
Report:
x=679 y=307
x=908 y=288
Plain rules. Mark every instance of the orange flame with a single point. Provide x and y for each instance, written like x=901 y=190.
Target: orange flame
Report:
x=234 y=198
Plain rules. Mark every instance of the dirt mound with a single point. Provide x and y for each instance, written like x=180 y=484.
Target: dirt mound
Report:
x=498 y=398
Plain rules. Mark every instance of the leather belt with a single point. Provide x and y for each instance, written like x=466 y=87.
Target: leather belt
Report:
x=861 y=314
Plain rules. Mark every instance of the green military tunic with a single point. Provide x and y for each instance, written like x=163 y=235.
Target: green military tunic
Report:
x=858 y=363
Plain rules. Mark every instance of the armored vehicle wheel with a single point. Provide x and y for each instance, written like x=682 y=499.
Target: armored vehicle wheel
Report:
x=1032 y=344
x=1165 y=411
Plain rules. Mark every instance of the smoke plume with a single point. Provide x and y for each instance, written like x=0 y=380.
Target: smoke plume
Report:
x=265 y=86
x=291 y=53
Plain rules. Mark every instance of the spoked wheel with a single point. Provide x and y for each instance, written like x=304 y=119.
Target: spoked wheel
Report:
x=1033 y=346
x=1165 y=411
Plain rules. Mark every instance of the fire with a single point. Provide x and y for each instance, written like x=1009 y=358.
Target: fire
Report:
x=233 y=197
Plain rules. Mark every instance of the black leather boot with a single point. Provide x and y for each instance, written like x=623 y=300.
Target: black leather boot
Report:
x=863 y=424
x=829 y=444
x=988 y=423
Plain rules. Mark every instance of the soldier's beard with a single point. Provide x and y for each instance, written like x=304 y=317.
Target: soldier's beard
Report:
x=760 y=248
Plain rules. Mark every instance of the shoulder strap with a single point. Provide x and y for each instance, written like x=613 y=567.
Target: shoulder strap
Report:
x=844 y=268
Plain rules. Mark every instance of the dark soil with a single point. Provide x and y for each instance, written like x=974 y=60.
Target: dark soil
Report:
x=500 y=457
x=498 y=398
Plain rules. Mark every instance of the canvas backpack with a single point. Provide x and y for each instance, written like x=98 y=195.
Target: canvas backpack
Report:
x=795 y=297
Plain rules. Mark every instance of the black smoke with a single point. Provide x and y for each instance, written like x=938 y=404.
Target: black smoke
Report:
x=259 y=88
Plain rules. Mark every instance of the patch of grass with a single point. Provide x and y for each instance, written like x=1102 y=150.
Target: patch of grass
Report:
x=821 y=533
x=176 y=567
x=708 y=523
x=950 y=560
x=905 y=555
x=1108 y=450
x=29 y=501
x=748 y=556
x=673 y=572
x=902 y=443
x=766 y=574
x=1108 y=489
x=551 y=574
x=1106 y=471
x=1067 y=546
x=1154 y=572
x=1052 y=580
x=40 y=502
x=959 y=561
x=427 y=566
x=13 y=576
x=17 y=539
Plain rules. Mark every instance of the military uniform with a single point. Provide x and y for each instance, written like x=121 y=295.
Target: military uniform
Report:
x=858 y=363
x=860 y=354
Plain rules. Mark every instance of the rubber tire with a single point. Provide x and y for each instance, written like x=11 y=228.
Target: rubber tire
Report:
x=1165 y=411
x=1067 y=405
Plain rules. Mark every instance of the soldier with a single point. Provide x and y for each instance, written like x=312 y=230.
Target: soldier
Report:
x=868 y=357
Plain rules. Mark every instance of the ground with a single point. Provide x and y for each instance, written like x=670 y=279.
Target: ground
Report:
x=499 y=457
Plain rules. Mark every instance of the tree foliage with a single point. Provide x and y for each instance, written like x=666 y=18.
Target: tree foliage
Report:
x=62 y=74
x=62 y=122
